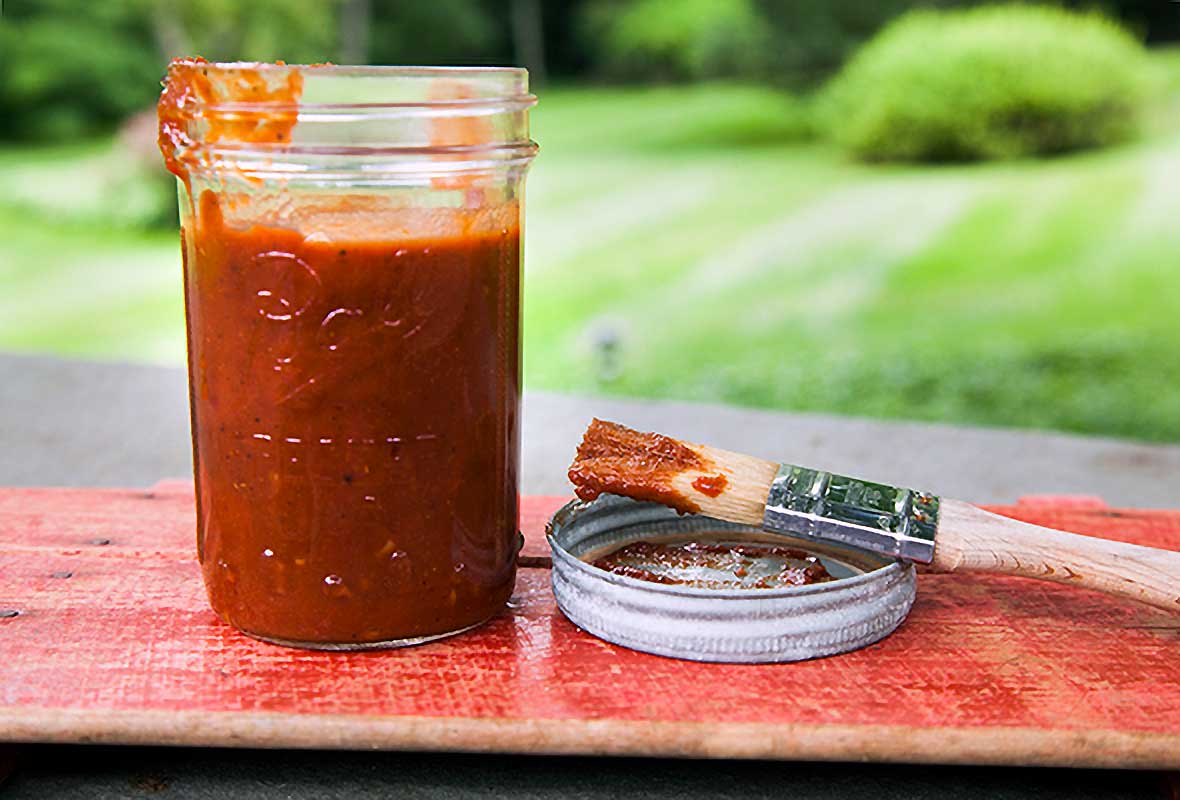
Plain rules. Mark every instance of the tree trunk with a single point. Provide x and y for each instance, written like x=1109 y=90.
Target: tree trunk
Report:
x=168 y=32
x=354 y=31
x=528 y=38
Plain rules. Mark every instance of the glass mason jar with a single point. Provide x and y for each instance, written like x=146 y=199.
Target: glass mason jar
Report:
x=352 y=258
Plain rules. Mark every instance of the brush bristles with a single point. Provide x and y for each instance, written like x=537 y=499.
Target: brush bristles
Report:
x=747 y=482
x=689 y=477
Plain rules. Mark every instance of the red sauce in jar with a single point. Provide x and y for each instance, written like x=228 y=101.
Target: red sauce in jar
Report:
x=355 y=418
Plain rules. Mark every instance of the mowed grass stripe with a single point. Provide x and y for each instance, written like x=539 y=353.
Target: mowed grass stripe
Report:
x=1022 y=310
x=803 y=279
x=90 y=291
x=604 y=219
x=599 y=273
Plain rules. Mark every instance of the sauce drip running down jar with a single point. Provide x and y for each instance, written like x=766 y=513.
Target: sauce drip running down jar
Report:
x=352 y=260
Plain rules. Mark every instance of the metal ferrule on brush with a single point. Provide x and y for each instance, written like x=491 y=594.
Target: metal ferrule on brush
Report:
x=873 y=516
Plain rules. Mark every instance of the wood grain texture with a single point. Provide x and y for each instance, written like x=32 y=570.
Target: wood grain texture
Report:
x=115 y=643
x=973 y=540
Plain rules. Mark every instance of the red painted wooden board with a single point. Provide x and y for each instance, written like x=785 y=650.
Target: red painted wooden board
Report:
x=115 y=643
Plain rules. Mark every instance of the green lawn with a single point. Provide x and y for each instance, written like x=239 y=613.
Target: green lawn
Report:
x=691 y=243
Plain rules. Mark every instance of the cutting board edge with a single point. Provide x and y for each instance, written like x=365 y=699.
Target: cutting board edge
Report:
x=983 y=746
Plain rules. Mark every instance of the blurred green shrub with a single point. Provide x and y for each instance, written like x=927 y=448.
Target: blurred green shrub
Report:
x=657 y=40
x=70 y=68
x=988 y=83
x=67 y=69
x=813 y=40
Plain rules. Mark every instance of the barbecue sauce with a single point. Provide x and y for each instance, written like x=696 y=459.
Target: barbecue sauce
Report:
x=355 y=412
x=615 y=459
x=715 y=565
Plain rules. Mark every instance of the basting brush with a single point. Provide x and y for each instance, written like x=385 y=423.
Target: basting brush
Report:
x=949 y=535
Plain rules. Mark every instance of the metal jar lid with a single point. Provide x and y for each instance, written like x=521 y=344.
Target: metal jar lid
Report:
x=868 y=599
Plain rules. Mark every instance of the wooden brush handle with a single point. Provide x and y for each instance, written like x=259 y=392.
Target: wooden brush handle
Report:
x=972 y=540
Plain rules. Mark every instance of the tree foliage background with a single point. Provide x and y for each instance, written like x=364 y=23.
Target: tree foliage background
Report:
x=73 y=67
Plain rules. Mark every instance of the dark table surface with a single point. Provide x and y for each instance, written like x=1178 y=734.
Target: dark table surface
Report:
x=98 y=773
x=81 y=424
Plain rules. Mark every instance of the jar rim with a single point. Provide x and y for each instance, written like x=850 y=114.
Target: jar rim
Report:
x=515 y=77
x=315 y=120
x=362 y=69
